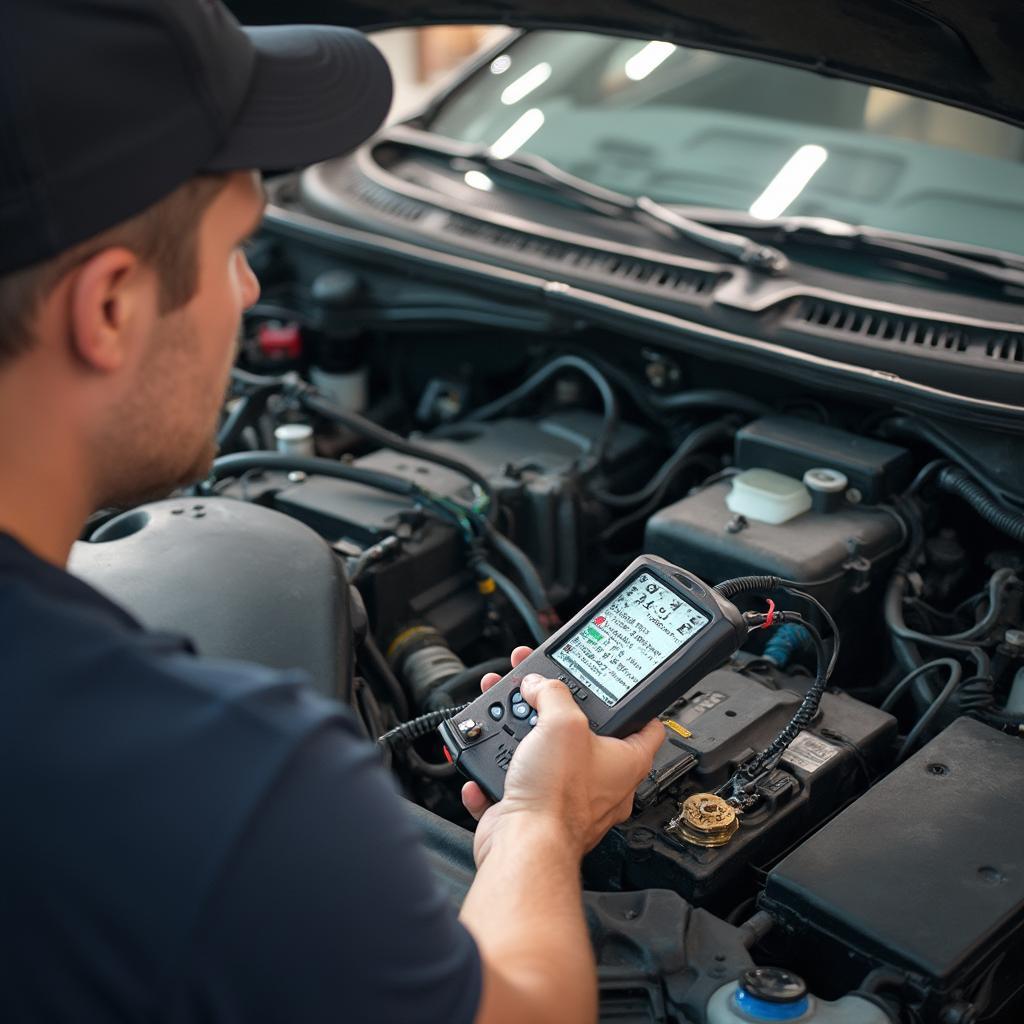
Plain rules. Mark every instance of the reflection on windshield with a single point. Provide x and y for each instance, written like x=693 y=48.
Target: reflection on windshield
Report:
x=706 y=129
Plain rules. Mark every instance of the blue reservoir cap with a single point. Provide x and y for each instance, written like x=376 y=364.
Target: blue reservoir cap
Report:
x=771 y=994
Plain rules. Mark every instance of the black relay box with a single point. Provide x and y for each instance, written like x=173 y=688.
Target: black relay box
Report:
x=924 y=873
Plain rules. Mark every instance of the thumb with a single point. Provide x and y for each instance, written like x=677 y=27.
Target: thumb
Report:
x=548 y=696
x=647 y=741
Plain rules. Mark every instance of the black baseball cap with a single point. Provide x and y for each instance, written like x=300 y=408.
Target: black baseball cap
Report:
x=106 y=106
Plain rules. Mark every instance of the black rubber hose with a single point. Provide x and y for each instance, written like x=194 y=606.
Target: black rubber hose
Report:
x=598 y=449
x=1000 y=581
x=955 y=480
x=517 y=599
x=952 y=450
x=710 y=399
x=241 y=462
x=719 y=430
x=900 y=688
x=443 y=695
x=248 y=410
x=955 y=674
x=382 y=670
x=524 y=568
x=360 y=425
x=654 y=406
x=893 y=608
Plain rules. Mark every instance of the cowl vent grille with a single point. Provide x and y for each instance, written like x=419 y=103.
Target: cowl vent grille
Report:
x=672 y=280
x=841 y=320
x=390 y=204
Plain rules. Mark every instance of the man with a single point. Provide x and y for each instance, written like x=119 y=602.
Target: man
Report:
x=184 y=839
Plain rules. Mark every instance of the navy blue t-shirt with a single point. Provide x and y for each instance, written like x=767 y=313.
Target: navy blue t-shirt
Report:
x=188 y=840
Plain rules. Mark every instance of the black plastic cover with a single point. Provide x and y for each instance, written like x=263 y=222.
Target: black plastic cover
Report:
x=792 y=446
x=925 y=872
x=841 y=546
x=239 y=580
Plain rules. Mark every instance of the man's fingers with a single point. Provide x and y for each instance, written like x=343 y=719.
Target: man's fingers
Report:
x=473 y=800
x=520 y=654
x=548 y=696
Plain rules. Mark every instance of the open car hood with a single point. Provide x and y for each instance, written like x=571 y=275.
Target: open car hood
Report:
x=966 y=54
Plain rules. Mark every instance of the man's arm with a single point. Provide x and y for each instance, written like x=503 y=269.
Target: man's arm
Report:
x=565 y=788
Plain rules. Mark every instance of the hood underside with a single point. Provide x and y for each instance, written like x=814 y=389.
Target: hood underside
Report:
x=967 y=54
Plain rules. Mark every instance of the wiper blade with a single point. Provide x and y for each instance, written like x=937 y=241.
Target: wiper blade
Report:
x=597 y=199
x=951 y=258
x=919 y=252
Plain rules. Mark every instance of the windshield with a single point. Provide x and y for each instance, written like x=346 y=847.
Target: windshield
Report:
x=697 y=128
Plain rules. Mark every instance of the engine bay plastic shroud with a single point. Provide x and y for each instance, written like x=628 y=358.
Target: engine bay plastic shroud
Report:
x=924 y=873
x=220 y=553
x=659 y=959
x=813 y=546
x=792 y=446
x=731 y=716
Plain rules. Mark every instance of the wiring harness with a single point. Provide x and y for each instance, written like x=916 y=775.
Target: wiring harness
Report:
x=739 y=790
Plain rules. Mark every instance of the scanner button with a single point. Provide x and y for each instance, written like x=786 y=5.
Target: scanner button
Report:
x=522 y=710
x=533 y=720
x=516 y=697
x=496 y=711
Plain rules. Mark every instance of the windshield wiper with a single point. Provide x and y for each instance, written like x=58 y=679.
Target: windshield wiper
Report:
x=977 y=263
x=596 y=199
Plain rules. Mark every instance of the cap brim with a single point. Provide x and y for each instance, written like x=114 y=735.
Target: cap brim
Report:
x=316 y=92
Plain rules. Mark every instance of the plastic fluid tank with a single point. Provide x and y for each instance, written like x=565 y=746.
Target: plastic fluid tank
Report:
x=765 y=995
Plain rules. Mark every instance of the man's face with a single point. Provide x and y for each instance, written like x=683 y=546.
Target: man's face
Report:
x=166 y=426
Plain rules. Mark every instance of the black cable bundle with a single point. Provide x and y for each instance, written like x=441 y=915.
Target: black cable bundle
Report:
x=416 y=728
x=808 y=709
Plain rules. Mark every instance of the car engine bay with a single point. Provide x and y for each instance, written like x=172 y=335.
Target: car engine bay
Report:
x=396 y=506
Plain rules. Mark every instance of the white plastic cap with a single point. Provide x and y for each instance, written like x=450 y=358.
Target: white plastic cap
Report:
x=829 y=481
x=767 y=496
x=294 y=439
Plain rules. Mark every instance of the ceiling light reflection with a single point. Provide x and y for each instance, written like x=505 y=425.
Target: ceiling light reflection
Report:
x=477 y=179
x=522 y=130
x=787 y=185
x=525 y=84
x=649 y=59
x=501 y=64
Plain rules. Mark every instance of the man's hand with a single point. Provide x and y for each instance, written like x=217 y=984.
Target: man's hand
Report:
x=562 y=775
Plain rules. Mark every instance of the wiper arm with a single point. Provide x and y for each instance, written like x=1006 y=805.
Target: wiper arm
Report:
x=920 y=252
x=597 y=199
x=997 y=267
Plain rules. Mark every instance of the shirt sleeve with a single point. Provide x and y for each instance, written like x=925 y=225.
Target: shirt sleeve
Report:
x=326 y=910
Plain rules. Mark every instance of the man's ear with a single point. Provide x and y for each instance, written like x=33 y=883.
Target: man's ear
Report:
x=111 y=306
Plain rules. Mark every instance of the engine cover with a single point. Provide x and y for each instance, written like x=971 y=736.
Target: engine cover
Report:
x=239 y=580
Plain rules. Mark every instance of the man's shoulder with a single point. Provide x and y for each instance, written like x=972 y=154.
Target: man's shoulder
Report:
x=134 y=769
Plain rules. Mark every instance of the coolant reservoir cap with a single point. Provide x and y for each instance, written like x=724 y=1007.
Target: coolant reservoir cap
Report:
x=831 y=481
x=771 y=993
x=767 y=496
